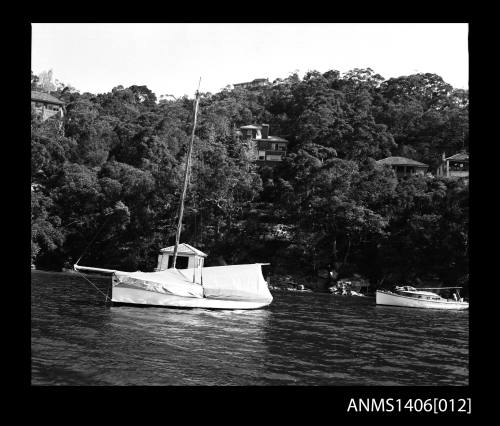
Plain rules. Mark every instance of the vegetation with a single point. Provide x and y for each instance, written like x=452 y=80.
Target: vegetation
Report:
x=119 y=164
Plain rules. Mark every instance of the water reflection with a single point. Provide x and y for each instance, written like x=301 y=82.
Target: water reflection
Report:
x=176 y=346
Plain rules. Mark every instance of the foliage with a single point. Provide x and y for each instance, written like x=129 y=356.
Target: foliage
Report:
x=118 y=169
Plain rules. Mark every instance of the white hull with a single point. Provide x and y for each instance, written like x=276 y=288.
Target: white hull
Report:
x=387 y=298
x=143 y=297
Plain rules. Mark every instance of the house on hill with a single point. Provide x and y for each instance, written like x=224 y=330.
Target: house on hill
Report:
x=264 y=148
x=456 y=166
x=46 y=105
x=404 y=166
x=258 y=82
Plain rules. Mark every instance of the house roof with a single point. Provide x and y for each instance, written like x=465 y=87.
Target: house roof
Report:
x=184 y=249
x=255 y=80
x=401 y=161
x=45 y=97
x=461 y=156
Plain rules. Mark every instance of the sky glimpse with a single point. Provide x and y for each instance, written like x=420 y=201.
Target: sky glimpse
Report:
x=170 y=58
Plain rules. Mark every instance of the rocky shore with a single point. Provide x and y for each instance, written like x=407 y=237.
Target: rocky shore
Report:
x=353 y=286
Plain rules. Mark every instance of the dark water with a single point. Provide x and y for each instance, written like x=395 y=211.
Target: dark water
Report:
x=300 y=339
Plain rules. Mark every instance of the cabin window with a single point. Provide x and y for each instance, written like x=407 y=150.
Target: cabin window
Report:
x=182 y=262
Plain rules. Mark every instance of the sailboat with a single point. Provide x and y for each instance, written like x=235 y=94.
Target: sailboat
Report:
x=196 y=286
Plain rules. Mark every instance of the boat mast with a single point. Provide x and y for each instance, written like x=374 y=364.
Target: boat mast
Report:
x=186 y=176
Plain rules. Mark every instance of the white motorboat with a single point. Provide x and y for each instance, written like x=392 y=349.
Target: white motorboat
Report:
x=412 y=297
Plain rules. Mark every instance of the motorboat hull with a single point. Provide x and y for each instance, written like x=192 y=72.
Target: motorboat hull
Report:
x=393 y=299
x=133 y=296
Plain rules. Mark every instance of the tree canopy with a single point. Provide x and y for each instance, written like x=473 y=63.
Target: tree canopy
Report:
x=119 y=164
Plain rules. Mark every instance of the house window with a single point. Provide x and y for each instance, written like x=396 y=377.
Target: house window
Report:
x=459 y=167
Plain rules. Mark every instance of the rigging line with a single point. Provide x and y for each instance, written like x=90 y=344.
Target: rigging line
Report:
x=92 y=240
x=100 y=291
x=107 y=298
x=186 y=177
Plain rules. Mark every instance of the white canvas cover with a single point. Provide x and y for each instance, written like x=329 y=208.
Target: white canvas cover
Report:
x=169 y=281
x=233 y=282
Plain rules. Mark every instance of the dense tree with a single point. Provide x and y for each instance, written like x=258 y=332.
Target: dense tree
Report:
x=426 y=116
x=118 y=169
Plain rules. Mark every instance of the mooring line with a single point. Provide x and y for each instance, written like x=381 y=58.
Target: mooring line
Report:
x=100 y=291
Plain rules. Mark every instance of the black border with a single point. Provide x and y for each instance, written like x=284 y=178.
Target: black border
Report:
x=204 y=403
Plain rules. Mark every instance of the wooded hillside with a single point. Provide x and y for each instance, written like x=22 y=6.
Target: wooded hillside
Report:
x=120 y=163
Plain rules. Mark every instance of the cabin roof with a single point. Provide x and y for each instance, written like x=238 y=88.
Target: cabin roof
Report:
x=184 y=249
x=401 y=161
x=461 y=156
x=45 y=97
x=417 y=291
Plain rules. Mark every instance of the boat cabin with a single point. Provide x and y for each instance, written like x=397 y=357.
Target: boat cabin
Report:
x=187 y=257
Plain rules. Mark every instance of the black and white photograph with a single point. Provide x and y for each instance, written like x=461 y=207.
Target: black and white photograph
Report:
x=251 y=204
